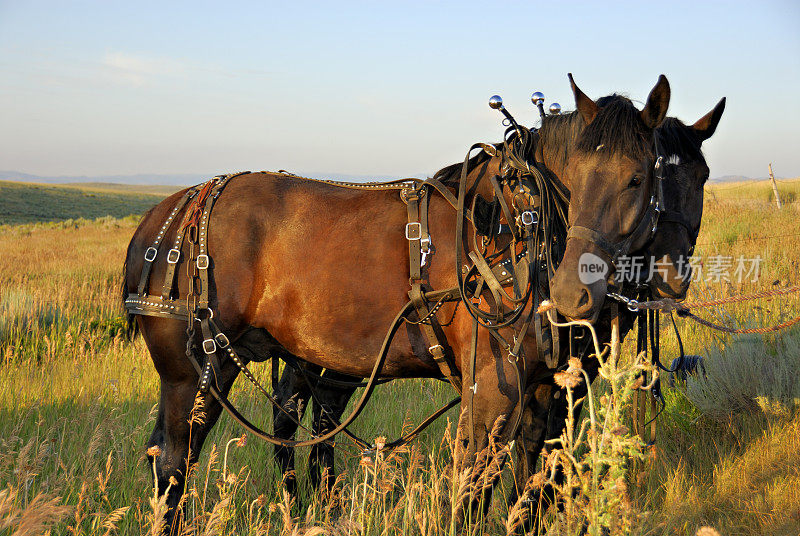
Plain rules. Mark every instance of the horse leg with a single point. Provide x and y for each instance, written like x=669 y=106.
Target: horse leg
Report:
x=292 y=395
x=529 y=444
x=530 y=438
x=556 y=423
x=491 y=408
x=178 y=436
x=329 y=402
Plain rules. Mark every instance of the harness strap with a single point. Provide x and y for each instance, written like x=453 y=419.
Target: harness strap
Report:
x=173 y=257
x=444 y=191
x=442 y=355
x=612 y=250
x=412 y=196
x=201 y=213
x=152 y=252
x=419 y=247
x=491 y=281
x=473 y=384
x=674 y=216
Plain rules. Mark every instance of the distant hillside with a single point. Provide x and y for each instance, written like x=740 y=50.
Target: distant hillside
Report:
x=732 y=178
x=154 y=189
x=32 y=203
x=742 y=178
x=142 y=178
x=176 y=180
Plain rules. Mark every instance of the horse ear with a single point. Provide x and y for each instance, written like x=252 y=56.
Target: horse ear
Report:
x=655 y=110
x=706 y=125
x=585 y=105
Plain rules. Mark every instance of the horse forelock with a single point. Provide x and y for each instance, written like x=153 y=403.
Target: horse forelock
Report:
x=676 y=139
x=618 y=129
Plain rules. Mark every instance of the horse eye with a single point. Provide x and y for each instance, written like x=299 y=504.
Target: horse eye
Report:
x=635 y=181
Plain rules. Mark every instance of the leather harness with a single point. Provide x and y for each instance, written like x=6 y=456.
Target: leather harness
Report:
x=535 y=225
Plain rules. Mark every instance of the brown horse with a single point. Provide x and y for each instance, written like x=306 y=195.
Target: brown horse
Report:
x=686 y=173
x=679 y=222
x=307 y=269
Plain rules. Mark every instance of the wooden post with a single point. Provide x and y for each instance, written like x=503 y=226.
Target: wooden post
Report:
x=774 y=186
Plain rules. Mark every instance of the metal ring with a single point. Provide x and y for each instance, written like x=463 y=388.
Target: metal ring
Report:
x=210 y=314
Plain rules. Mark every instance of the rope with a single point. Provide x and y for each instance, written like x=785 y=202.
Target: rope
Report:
x=725 y=329
x=667 y=305
x=748 y=239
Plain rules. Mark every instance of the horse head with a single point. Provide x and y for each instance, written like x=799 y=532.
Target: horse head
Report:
x=613 y=183
x=686 y=173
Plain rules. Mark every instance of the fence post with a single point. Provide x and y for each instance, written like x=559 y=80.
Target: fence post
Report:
x=774 y=186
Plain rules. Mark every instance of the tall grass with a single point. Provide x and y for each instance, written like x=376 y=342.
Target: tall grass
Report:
x=77 y=404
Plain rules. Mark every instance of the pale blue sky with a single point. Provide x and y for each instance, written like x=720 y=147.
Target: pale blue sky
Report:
x=369 y=88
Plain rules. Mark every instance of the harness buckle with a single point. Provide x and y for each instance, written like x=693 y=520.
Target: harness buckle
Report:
x=150 y=254
x=411 y=194
x=413 y=230
x=436 y=348
x=425 y=249
x=202 y=262
x=209 y=346
x=173 y=256
x=529 y=217
x=657 y=166
x=221 y=340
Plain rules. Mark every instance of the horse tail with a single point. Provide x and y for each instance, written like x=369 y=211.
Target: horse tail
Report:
x=131 y=326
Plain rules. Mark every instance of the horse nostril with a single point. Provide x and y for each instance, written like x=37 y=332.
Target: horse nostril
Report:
x=584 y=299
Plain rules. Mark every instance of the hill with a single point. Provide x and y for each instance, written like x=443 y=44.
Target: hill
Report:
x=33 y=203
x=184 y=179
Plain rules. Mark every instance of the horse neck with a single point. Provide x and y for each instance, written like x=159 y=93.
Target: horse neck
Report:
x=557 y=139
x=481 y=174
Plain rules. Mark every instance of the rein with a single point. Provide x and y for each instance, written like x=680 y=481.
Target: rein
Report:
x=511 y=267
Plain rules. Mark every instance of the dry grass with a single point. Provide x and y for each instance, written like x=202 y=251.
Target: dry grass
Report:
x=77 y=404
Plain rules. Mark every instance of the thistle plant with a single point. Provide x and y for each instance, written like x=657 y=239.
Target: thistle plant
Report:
x=589 y=465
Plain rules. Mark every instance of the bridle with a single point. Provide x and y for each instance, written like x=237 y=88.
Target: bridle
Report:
x=645 y=230
x=677 y=217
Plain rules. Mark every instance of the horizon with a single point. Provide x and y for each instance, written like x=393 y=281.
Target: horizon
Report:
x=371 y=91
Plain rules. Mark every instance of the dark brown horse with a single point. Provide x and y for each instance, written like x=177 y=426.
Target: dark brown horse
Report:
x=684 y=176
x=686 y=173
x=309 y=270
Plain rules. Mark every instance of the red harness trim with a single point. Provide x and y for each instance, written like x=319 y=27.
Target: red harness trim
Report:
x=199 y=204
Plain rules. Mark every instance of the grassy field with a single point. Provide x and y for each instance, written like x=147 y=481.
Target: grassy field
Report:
x=77 y=403
x=31 y=203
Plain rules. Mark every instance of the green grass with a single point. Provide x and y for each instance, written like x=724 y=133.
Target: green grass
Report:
x=31 y=203
x=74 y=394
x=754 y=191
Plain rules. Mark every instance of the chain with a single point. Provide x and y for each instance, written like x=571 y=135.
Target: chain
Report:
x=632 y=304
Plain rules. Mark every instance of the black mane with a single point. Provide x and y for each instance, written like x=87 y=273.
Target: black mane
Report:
x=451 y=175
x=561 y=133
x=617 y=129
x=675 y=138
